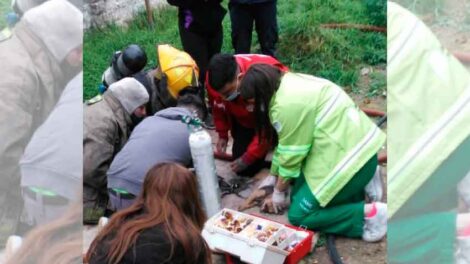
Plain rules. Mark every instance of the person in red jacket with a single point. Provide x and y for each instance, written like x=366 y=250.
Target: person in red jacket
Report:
x=232 y=113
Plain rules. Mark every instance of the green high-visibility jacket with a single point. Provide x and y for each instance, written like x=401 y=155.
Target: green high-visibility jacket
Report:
x=322 y=134
x=428 y=105
x=5 y=34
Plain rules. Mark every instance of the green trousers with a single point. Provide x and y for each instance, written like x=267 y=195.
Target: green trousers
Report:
x=344 y=215
x=424 y=229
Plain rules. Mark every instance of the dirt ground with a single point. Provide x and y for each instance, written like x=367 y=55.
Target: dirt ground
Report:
x=352 y=251
x=451 y=25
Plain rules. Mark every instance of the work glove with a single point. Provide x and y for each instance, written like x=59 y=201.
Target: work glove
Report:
x=276 y=203
x=238 y=165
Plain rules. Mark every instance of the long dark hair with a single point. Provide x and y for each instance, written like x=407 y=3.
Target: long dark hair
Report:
x=261 y=82
x=192 y=96
x=170 y=197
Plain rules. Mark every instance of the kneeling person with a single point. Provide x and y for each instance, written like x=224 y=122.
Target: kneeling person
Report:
x=159 y=138
x=107 y=125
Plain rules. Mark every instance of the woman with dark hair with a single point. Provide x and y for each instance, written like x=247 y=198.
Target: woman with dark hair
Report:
x=162 y=226
x=326 y=144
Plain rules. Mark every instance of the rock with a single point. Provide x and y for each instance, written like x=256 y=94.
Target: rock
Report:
x=98 y=13
x=365 y=71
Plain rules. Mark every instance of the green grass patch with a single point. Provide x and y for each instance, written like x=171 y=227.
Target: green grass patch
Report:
x=4 y=9
x=335 y=54
x=99 y=44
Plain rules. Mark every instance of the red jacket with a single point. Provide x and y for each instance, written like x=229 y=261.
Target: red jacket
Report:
x=223 y=111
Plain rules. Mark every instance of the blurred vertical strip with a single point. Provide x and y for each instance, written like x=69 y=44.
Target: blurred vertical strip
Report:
x=41 y=131
x=428 y=144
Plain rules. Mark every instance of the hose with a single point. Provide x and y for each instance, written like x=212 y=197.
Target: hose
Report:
x=462 y=56
x=372 y=112
x=356 y=26
x=382 y=158
x=332 y=251
x=382 y=120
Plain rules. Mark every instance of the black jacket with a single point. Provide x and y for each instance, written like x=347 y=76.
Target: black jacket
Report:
x=200 y=16
x=152 y=247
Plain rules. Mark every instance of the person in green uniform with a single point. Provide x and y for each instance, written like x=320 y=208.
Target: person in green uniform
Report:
x=326 y=145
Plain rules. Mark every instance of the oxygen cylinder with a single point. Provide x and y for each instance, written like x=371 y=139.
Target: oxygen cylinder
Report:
x=200 y=143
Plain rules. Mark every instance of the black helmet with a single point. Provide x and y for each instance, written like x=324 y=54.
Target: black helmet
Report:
x=125 y=64
x=129 y=62
x=134 y=58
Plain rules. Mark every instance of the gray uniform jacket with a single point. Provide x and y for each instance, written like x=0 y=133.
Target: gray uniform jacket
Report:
x=53 y=158
x=159 y=138
x=30 y=86
x=106 y=130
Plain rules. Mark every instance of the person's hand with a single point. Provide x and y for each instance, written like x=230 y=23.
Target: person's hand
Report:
x=221 y=145
x=276 y=203
x=238 y=165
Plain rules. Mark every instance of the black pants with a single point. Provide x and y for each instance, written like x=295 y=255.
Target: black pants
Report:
x=242 y=138
x=201 y=47
x=263 y=15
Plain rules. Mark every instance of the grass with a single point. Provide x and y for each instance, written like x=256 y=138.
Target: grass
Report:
x=335 y=54
x=100 y=44
x=4 y=9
